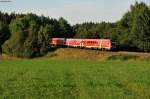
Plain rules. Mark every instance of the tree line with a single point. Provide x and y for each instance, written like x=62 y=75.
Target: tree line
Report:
x=27 y=35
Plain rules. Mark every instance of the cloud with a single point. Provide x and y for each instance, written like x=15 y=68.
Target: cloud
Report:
x=76 y=11
x=89 y=11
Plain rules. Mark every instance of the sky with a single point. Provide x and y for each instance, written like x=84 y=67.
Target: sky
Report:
x=74 y=11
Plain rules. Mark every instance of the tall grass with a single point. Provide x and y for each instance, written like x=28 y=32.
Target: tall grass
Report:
x=74 y=79
x=73 y=53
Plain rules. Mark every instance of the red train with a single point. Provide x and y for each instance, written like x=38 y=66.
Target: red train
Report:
x=105 y=44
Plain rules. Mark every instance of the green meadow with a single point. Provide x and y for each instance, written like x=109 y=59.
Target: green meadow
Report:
x=74 y=79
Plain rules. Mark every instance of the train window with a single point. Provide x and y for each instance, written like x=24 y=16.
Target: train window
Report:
x=59 y=41
x=94 y=42
x=91 y=42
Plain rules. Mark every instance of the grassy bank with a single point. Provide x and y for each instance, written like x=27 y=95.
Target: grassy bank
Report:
x=87 y=54
x=74 y=53
x=74 y=79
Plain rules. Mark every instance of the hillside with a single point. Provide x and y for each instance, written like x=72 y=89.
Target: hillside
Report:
x=74 y=53
x=87 y=54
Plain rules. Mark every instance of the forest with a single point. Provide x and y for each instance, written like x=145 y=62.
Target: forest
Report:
x=22 y=35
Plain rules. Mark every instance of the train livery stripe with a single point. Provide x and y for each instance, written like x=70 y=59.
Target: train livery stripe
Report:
x=87 y=43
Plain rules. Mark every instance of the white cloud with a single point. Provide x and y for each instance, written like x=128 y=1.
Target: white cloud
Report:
x=78 y=13
x=81 y=10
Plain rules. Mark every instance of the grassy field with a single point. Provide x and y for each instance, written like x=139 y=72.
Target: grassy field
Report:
x=74 y=79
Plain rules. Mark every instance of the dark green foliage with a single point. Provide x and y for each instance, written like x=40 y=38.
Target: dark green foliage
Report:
x=4 y=34
x=19 y=33
x=131 y=33
x=29 y=37
x=63 y=29
x=86 y=30
x=141 y=26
